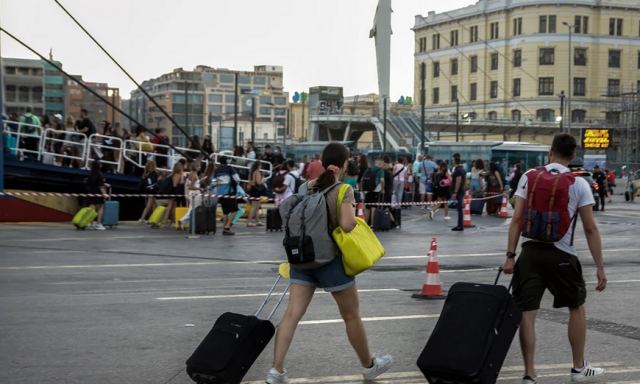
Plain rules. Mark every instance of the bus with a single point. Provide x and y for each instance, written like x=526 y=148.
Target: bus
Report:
x=505 y=153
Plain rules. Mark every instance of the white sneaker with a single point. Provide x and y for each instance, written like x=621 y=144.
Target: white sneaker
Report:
x=528 y=380
x=275 y=377
x=586 y=373
x=447 y=217
x=381 y=364
x=100 y=227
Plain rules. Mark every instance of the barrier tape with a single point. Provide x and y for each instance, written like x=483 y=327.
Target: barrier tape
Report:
x=108 y=196
x=489 y=196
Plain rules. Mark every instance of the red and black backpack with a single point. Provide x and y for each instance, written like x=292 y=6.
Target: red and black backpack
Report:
x=546 y=214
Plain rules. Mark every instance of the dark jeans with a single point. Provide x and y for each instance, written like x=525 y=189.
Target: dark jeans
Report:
x=602 y=194
x=460 y=207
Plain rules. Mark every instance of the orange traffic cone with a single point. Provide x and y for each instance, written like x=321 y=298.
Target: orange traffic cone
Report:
x=360 y=211
x=467 y=212
x=432 y=287
x=503 y=211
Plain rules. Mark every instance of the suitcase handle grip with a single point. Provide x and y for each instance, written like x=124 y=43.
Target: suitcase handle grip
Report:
x=498 y=278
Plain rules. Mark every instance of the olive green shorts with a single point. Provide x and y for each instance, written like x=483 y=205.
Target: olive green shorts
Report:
x=542 y=266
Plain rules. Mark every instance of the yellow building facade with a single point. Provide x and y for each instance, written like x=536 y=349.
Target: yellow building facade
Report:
x=510 y=60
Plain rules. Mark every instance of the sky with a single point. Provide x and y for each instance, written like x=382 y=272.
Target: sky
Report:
x=318 y=42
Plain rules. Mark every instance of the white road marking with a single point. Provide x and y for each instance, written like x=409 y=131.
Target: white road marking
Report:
x=419 y=378
x=229 y=262
x=369 y=319
x=244 y=295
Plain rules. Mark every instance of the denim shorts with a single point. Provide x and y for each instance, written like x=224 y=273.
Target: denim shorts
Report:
x=331 y=277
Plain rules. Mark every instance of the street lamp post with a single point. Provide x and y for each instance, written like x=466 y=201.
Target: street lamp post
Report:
x=253 y=120
x=561 y=111
x=569 y=81
x=457 y=120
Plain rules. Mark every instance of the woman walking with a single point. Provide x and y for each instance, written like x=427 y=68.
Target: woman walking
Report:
x=257 y=189
x=331 y=277
x=149 y=186
x=495 y=186
x=477 y=175
x=96 y=185
x=441 y=190
x=176 y=188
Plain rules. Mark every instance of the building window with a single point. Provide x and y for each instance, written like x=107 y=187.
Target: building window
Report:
x=435 y=41
x=547 y=24
x=492 y=115
x=494 y=90
x=494 y=61
x=516 y=87
x=517 y=26
x=547 y=56
x=579 y=86
x=545 y=86
x=436 y=95
x=516 y=115
x=454 y=66
x=473 y=91
x=578 y=115
x=436 y=69
x=215 y=98
x=454 y=38
x=454 y=92
x=614 y=58
x=581 y=24
x=545 y=114
x=422 y=44
x=474 y=64
x=473 y=34
x=495 y=31
x=612 y=117
x=517 y=57
x=580 y=56
x=613 y=87
x=615 y=27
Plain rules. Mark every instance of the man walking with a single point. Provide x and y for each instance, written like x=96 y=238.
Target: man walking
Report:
x=29 y=125
x=601 y=179
x=426 y=170
x=459 y=179
x=553 y=265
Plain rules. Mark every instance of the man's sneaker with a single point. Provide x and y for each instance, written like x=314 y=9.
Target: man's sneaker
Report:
x=447 y=217
x=275 y=377
x=528 y=380
x=381 y=364
x=586 y=373
x=100 y=227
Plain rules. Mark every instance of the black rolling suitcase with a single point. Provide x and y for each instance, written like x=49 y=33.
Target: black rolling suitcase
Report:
x=381 y=219
x=473 y=335
x=274 y=220
x=232 y=346
x=205 y=217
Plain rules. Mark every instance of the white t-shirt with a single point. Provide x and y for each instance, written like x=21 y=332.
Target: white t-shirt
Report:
x=579 y=196
x=290 y=183
x=403 y=172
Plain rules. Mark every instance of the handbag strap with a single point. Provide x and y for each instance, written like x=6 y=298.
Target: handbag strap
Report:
x=341 y=193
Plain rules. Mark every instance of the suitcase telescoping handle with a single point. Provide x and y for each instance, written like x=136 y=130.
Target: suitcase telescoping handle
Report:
x=498 y=278
x=264 y=302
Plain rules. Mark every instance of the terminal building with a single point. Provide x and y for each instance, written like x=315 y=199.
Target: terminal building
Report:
x=505 y=63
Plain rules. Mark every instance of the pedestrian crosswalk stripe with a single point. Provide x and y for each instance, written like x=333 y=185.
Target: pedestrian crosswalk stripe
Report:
x=246 y=295
x=369 y=319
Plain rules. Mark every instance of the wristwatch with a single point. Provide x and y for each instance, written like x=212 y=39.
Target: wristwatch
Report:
x=511 y=255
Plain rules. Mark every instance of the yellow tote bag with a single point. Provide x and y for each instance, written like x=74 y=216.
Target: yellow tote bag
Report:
x=360 y=248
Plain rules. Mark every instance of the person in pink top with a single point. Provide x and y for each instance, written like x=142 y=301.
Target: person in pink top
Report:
x=314 y=169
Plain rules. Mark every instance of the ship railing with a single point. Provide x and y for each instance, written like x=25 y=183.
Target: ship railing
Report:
x=19 y=144
x=106 y=149
x=75 y=141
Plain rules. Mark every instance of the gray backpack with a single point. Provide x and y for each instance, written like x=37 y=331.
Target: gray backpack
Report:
x=307 y=236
